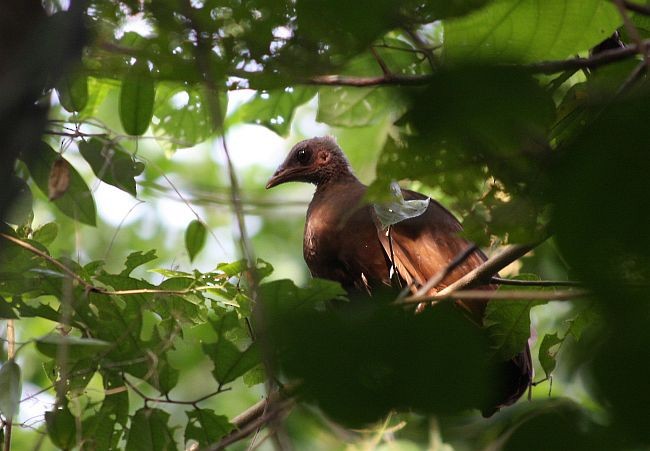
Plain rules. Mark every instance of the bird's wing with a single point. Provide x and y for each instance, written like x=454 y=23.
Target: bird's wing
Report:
x=422 y=246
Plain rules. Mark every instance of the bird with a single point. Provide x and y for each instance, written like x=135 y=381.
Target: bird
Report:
x=345 y=242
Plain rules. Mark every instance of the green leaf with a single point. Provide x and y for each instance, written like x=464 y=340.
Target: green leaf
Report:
x=62 y=428
x=508 y=322
x=98 y=91
x=273 y=109
x=73 y=92
x=137 y=99
x=111 y=164
x=46 y=233
x=285 y=295
x=547 y=352
x=195 y=235
x=356 y=107
x=529 y=30
x=255 y=376
x=78 y=348
x=229 y=362
x=182 y=118
x=99 y=430
x=137 y=258
x=77 y=202
x=10 y=388
x=360 y=107
x=149 y=431
x=20 y=211
x=206 y=427
x=6 y=310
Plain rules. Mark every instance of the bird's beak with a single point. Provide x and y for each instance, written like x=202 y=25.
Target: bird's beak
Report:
x=282 y=174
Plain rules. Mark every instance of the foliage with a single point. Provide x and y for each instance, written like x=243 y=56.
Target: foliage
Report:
x=481 y=103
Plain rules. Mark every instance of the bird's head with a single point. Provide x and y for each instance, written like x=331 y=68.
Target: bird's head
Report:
x=315 y=160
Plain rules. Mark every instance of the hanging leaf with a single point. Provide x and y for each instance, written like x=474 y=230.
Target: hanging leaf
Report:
x=182 y=117
x=111 y=164
x=78 y=348
x=46 y=233
x=137 y=258
x=73 y=92
x=62 y=428
x=149 y=431
x=136 y=99
x=273 y=109
x=21 y=207
x=508 y=321
x=10 y=388
x=76 y=200
x=229 y=362
x=548 y=351
x=195 y=235
x=206 y=427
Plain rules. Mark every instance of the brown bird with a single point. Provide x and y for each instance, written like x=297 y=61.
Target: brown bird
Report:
x=343 y=240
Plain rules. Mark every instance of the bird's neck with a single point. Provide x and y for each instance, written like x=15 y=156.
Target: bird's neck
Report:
x=335 y=176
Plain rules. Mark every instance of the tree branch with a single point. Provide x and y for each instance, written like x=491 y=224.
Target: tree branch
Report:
x=484 y=273
x=344 y=80
x=543 y=67
x=564 y=295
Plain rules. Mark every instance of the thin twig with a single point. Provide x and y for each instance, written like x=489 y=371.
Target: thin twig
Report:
x=423 y=47
x=167 y=400
x=637 y=8
x=384 y=68
x=11 y=353
x=535 y=283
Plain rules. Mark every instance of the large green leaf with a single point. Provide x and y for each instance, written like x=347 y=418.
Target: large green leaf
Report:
x=137 y=99
x=285 y=295
x=61 y=427
x=73 y=92
x=508 y=322
x=78 y=348
x=195 y=235
x=77 y=201
x=229 y=362
x=358 y=107
x=274 y=109
x=206 y=427
x=530 y=30
x=10 y=388
x=111 y=164
x=182 y=115
x=149 y=431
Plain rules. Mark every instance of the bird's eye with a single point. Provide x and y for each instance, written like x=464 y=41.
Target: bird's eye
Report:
x=302 y=156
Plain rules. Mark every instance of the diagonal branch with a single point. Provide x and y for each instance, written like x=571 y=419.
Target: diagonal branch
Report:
x=563 y=295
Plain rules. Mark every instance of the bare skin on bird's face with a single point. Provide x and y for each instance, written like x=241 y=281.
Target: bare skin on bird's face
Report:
x=343 y=241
